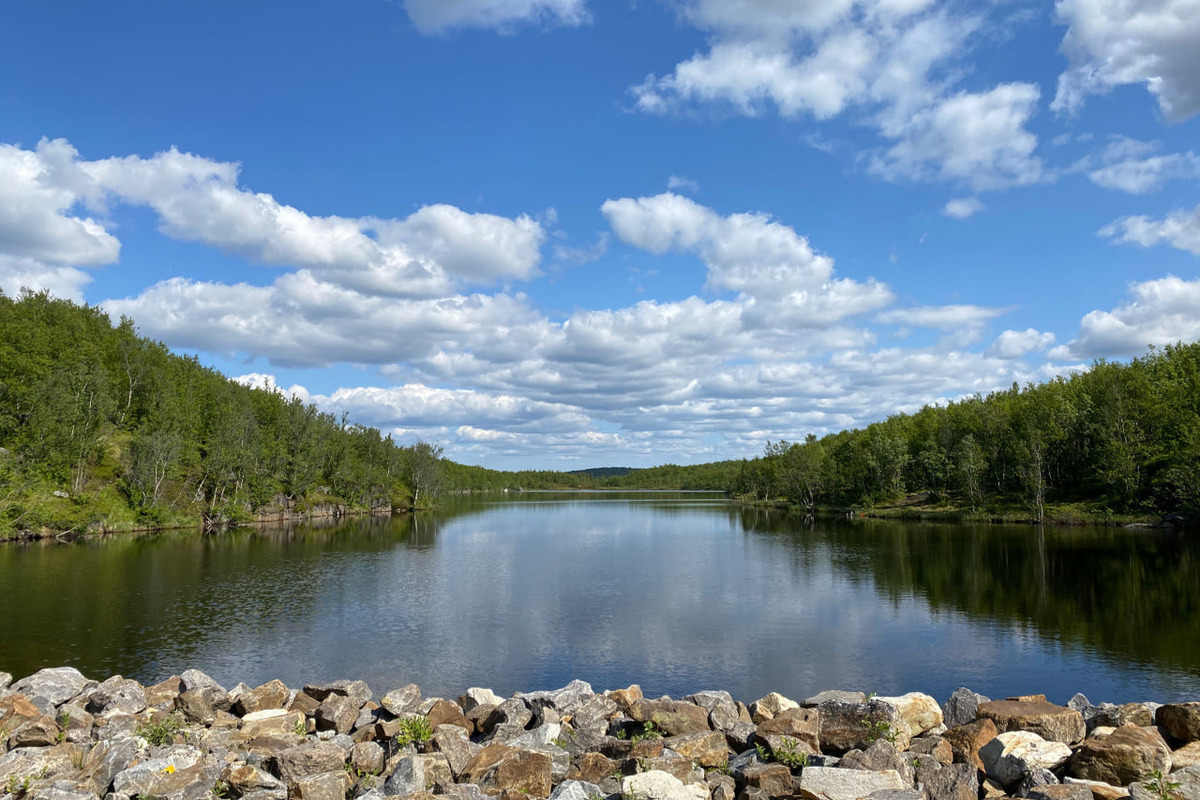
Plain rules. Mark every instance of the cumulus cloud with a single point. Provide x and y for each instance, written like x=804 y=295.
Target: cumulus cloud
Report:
x=683 y=184
x=1112 y=43
x=1179 y=229
x=1132 y=166
x=951 y=317
x=1014 y=344
x=45 y=238
x=976 y=138
x=1158 y=312
x=765 y=262
x=441 y=16
x=27 y=273
x=963 y=207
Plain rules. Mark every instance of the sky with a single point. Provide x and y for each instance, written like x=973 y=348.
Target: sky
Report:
x=572 y=233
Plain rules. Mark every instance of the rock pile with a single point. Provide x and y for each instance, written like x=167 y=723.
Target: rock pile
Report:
x=64 y=737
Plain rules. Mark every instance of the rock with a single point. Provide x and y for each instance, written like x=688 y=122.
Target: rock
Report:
x=40 y=732
x=540 y=736
x=896 y=794
x=116 y=693
x=935 y=746
x=1099 y=790
x=404 y=700
x=965 y=740
x=952 y=782
x=479 y=697
x=407 y=777
x=671 y=763
x=452 y=742
x=323 y=786
x=1036 y=777
x=1125 y=714
x=52 y=762
x=825 y=783
x=854 y=726
x=512 y=714
x=721 y=787
x=358 y=691
x=671 y=717
x=774 y=779
x=708 y=749
x=107 y=759
x=1186 y=756
x=833 y=694
x=464 y=791
x=1180 y=721
x=436 y=769
x=1013 y=755
x=272 y=722
x=17 y=709
x=50 y=688
x=1059 y=791
x=801 y=724
x=310 y=758
x=592 y=768
x=657 y=785
x=196 y=707
x=741 y=735
x=162 y=695
x=498 y=768
x=592 y=717
x=443 y=712
x=337 y=712
x=1130 y=754
x=1184 y=784
x=244 y=779
x=962 y=707
x=1050 y=722
x=766 y=708
x=576 y=790
x=182 y=775
x=195 y=681
x=269 y=696
x=367 y=757
x=723 y=712
x=564 y=702
x=920 y=712
x=878 y=757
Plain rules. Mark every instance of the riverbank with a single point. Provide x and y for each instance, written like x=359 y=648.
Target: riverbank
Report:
x=65 y=737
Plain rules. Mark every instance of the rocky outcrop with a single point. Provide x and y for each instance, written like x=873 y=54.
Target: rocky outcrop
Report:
x=65 y=737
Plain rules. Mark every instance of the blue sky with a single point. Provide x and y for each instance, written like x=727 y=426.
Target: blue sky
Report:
x=566 y=233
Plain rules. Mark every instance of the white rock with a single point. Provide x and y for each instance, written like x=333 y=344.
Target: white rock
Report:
x=920 y=712
x=1011 y=756
x=659 y=785
x=832 y=783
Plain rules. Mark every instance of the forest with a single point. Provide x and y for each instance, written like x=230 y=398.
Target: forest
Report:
x=102 y=429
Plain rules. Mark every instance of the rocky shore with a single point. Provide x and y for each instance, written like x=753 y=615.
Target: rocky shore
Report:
x=65 y=737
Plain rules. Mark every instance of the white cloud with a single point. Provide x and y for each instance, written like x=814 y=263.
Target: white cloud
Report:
x=1114 y=43
x=975 y=138
x=1129 y=167
x=682 y=184
x=1179 y=229
x=951 y=317
x=963 y=207
x=26 y=273
x=1158 y=312
x=441 y=16
x=1014 y=344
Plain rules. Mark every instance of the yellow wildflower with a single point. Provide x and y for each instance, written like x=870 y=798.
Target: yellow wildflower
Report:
x=169 y=768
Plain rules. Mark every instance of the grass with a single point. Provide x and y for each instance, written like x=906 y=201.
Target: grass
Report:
x=414 y=730
x=161 y=732
x=787 y=753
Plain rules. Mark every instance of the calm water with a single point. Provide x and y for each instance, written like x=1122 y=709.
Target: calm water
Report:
x=677 y=592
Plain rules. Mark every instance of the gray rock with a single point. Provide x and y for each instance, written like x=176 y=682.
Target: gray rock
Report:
x=116 y=693
x=658 y=785
x=510 y=717
x=181 y=775
x=50 y=688
x=310 y=758
x=59 y=790
x=722 y=711
x=1188 y=780
x=576 y=790
x=564 y=701
x=323 y=786
x=854 y=726
x=476 y=696
x=896 y=794
x=356 y=690
x=246 y=780
x=962 y=707
x=846 y=784
x=404 y=700
x=592 y=717
x=951 y=782
x=540 y=736
x=107 y=759
x=367 y=757
x=1012 y=756
x=740 y=736
x=407 y=777
x=834 y=694
x=5 y=681
x=452 y=742
x=337 y=712
x=52 y=761
x=1059 y=791
x=878 y=757
x=464 y=791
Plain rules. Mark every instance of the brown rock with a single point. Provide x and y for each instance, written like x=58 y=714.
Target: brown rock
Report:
x=1126 y=714
x=646 y=748
x=1130 y=754
x=935 y=746
x=452 y=742
x=673 y=764
x=625 y=698
x=1060 y=791
x=324 y=786
x=478 y=715
x=721 y=787
x=774 y=779
x=337 y=712
x=1180 y=721
x=854 y=726
x=769 y=707
x=498 y=768
x=367 y=757
x=162 y=695
x=446 y=713
x=274 y=722
x=1052 y=723
x=801 y=724
x=196 y=707
x=592 y=768
x=965 y=741
x=1186 y=756
x=953 y=782
x=269 y=696
x=878 y=757
x=1099 y=789
x=310 y=758
x=304 y=703
x=672 y=717
x=436 y=768
x=17 y=709
x=705 y=749
x=41 y=732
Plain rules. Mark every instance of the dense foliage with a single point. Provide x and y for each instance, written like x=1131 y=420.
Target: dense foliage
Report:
x=1122 y=437
x=100 y=427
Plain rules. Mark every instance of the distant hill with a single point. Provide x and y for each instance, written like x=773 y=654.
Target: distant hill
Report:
x=602 y=472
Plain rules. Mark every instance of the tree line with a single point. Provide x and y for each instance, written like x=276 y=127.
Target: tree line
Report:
x=99 y=426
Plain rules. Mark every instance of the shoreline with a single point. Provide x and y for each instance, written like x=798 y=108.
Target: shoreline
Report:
x=65 y=737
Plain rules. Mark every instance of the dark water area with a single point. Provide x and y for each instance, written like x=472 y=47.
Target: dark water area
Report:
x=675 y=591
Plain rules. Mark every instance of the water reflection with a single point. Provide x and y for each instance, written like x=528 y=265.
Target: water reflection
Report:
x=676 y=592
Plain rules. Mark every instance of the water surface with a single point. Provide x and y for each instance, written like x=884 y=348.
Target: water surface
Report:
x=674 y=591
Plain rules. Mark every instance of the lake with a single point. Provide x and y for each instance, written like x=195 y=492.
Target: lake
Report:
x=675 y=591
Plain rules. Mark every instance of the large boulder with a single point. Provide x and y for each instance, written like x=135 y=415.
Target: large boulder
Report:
x=1182 y=784
x=498 y=768
x=310 y=758
x=271 y=695
x=1014 y=755
x=182 y=775
x=657 y=785
x=116 y=693
x=855 y=726
x=801 y=724
x=919 y=712
x=831 y=783
x=246 y=781
x=50 y=688
x=775 y=780
x=706 y=748
x=952 y=782
x=966 y=740
x=1131 y=753
x=1180 y=721
x=723 y=712
x=767 y=707
x=323 y=786
x=406 y=699
x=1050 y=722
x=962 y=707
x=671 y=717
